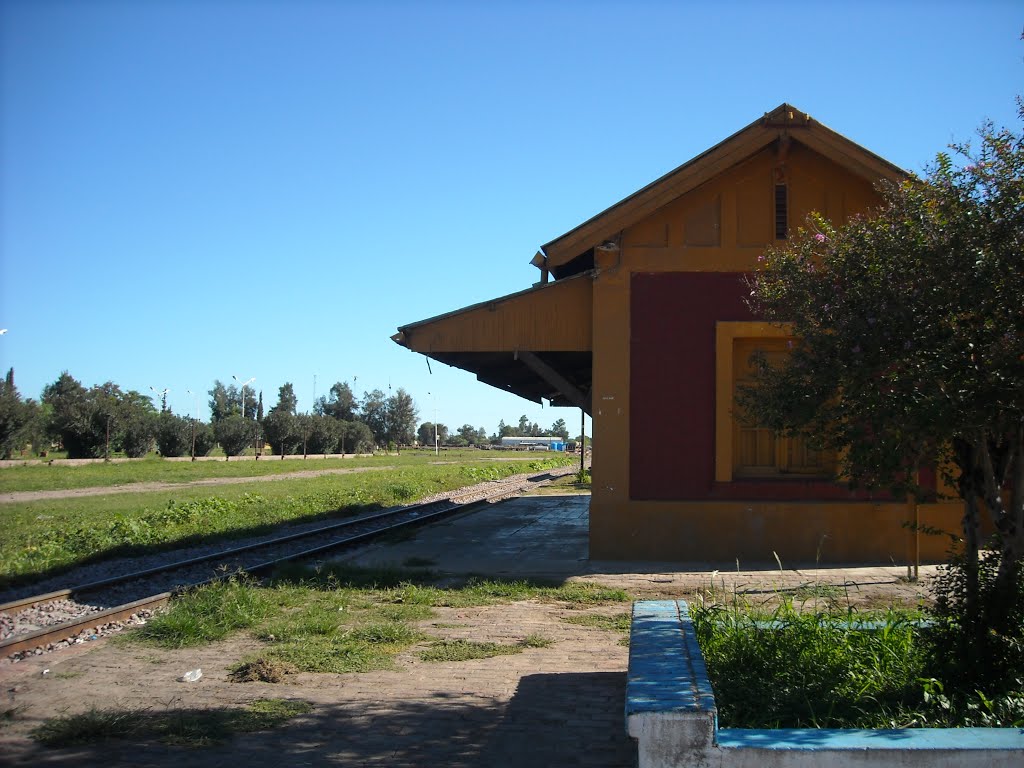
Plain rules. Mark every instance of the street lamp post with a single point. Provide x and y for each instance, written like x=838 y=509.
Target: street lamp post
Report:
x=243 y=386
x=163 y=397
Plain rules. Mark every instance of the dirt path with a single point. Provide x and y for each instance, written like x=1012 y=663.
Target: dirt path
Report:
x=72 y=493
x=560 y=705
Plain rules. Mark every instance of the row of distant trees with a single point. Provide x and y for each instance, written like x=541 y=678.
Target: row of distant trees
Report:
x=468 y=435
x=99 y=421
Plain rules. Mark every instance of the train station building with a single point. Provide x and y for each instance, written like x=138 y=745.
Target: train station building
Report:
x=639 y=319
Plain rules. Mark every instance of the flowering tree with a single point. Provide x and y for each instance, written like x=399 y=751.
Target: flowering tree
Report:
x=912 y=341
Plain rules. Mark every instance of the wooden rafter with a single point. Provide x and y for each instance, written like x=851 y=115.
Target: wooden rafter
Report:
x=556 y=380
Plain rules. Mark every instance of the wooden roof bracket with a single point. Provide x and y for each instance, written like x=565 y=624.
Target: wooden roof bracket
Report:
x=608 y=255
x=540 y=261
x=556 y=380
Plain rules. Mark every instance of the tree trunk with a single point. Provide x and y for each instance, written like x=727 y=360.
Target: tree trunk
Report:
x=1010 y=524
x=970 y=485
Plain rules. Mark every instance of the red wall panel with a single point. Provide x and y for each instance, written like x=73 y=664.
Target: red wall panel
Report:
x=672 y=379
x=672 y=393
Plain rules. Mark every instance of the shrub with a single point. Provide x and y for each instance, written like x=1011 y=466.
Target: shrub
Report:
x=174 y=435
x=234 y=434
x=978 y=647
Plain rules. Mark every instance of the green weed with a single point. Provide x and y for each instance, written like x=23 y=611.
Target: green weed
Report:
x=343 y=619
x=261 y=669
x=620 y=622
x=93 y=725
x=179 y=726
x=208 y=613
x=536 y=640
x=334 y=654
x=467 y=650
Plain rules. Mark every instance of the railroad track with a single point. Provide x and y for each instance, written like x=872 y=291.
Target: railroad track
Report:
x=81 y=612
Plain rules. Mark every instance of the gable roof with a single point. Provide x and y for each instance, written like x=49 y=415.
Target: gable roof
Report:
x=785 y=121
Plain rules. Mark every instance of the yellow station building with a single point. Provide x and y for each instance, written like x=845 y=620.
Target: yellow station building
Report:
x=639 y=319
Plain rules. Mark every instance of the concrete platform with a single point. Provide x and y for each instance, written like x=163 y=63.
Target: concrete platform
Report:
x=545 y=537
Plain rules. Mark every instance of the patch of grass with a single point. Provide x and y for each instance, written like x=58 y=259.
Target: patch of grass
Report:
x=316 y=619
x=186 y=727
x=8 y=716
x=208 y=613
x=321 y=638
x=620 y=622
x=536 y=640
x=335 y=655
x=270 y=713
x=44 y=476
x=467 y=650
x=588 y=593
x=477 y=591
x=261 y=670
x=87 y=727
x=342 y=619
x=340 y=575
x=817 y=591
x=68 y=675
x=402 y=612
x=385 y=634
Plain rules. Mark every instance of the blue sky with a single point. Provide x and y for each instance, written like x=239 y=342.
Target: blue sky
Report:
x=195 y=190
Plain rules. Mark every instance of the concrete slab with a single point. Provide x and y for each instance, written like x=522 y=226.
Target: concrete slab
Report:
x=527 y=537
x=545 y=537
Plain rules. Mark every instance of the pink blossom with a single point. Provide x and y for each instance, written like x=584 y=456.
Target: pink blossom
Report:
x=819 y=237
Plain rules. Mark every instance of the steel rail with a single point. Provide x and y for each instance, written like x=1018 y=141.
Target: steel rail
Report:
x=70 y=629
x=28 y=602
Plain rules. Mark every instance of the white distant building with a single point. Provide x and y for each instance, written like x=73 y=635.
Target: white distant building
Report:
x=542 y=443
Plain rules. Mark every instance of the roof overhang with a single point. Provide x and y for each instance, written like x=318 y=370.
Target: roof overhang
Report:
x=536 y=343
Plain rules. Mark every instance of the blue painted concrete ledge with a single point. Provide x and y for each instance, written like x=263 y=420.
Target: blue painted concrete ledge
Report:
x=670 y=710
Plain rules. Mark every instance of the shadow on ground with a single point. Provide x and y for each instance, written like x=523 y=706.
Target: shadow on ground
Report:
x=572 y=719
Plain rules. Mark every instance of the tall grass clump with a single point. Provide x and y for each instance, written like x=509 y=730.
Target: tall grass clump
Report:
x=789 y=669
x=809 y=670
x=208 y=613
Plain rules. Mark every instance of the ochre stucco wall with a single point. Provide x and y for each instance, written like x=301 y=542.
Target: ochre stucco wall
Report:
x=799 y=532
x=656 y=302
